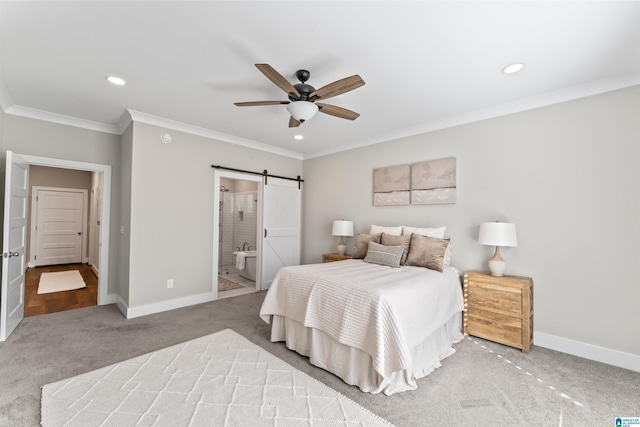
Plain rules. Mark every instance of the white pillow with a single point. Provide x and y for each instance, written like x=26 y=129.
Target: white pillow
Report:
x=394 y=231
x=429 y=232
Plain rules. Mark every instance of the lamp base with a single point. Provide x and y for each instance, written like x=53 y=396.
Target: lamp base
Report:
x=341 y=246
x=497 y=266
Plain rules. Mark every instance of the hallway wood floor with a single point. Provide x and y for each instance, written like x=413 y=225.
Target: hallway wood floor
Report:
x=35 y=304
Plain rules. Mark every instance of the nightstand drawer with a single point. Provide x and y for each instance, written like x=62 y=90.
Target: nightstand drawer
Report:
x=494 y=326
x=495 y=298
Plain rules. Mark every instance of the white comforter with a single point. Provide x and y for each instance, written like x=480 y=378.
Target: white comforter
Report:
x=380 y=310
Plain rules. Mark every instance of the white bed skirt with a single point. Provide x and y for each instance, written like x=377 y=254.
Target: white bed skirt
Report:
x=355 y=367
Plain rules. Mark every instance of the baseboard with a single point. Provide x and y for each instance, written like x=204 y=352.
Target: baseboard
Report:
x=95 y=270
x=588 y=351
x=110 y=299
x=158 y=307
x=122 y=306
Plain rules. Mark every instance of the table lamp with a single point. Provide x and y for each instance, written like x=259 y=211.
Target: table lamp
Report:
x=342 y=228
x=497 y=234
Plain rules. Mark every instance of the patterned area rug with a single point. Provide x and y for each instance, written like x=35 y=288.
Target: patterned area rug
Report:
x=227 y=285
x=221 y=379
x=60 y=281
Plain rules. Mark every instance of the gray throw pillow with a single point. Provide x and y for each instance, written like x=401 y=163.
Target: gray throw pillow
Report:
x=362 y=244
x=427 y=252
x=404 y=241
x=384 y=255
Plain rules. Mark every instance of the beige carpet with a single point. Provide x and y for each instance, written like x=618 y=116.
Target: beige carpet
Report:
x=60 y=281
x=227 y=285
x=221 y=379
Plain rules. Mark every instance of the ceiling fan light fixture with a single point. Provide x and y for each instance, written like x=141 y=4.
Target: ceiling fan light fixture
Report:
x=302 y=110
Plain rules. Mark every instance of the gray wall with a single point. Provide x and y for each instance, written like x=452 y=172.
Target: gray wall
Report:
x=172 y=193
x=45 y=139
x=566 y=175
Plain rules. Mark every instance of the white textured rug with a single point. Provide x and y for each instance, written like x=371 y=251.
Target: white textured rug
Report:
x=60 y=281
x=217 y=380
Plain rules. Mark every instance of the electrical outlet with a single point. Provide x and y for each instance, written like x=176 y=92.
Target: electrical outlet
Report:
x=170 y=283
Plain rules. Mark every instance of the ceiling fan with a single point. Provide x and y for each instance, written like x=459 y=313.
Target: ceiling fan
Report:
x=302 y=103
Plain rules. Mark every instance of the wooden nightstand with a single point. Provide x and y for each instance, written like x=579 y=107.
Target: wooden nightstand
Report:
x=334 y=257
x=499 y=309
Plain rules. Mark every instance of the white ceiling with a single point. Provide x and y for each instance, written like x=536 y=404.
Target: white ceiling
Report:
x=427 y=65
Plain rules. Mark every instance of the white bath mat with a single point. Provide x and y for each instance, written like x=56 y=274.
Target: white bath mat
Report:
x=221 y=379
x=60 y=281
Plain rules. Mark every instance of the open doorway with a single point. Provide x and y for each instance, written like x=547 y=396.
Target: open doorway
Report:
x=16 y=179
x=62 y=226
x=237 y=236
x=237 y=221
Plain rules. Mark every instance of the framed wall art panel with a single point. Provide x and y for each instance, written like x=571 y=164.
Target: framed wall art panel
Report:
x=433 y=182
x=391 y=185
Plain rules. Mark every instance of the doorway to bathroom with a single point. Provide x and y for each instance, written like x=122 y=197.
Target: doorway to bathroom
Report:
x=238 y=221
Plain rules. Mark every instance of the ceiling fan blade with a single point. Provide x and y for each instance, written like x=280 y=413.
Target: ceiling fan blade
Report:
x=293 y=123
x=277 y=78
x=343 y=113
x=338 y=87
x=259 y=103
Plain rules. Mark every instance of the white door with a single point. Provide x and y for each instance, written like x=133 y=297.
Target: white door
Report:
x=59 y=226
x=13 y=244
x=281 y=223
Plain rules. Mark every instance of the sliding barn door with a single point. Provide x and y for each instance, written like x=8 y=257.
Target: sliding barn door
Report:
x=282 y=202
x=13 y=244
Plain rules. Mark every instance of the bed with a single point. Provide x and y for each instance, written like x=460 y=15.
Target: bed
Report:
x=375 y=326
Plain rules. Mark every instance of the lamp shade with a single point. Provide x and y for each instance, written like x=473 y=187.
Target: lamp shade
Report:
x=302 y=110
x=342 y=228
x=497 y=234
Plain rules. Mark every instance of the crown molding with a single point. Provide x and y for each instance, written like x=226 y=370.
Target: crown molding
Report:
x=46 y=116
x=149 y=119
x=576 y=92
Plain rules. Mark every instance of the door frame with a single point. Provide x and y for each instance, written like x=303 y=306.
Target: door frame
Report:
x=33 y=232
x=105 y=171
x=216 y=220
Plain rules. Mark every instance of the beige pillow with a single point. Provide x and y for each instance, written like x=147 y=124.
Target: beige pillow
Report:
x=404 y=241
x=431 y=232
x=377 y=229
x=384 y=255
x=362 y=244
x=427 y=252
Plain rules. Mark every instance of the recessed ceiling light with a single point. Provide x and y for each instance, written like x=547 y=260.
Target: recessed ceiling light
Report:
x=299 y=137
x=116 y=80
x=513 y=68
